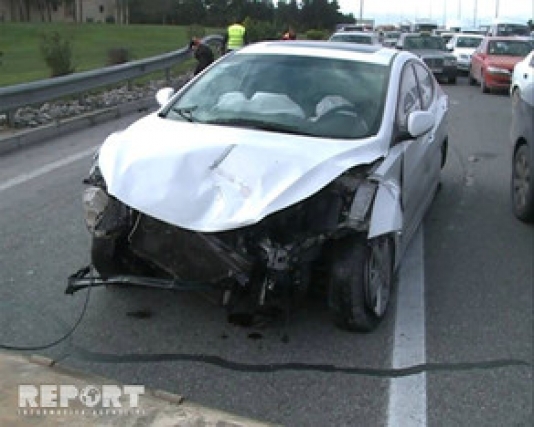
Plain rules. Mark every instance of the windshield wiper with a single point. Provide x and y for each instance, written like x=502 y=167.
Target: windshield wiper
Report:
x=185 y=112
x=258 y=124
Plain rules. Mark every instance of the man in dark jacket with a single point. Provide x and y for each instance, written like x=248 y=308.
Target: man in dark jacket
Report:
x=203 y=54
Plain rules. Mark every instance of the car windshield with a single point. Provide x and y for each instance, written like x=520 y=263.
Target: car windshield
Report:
x=509 y=48
x=472 y=42
x=424 y=42
x=302 y=95
x=352 y=38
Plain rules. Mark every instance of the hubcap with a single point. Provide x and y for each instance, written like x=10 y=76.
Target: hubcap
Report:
x=522 y=179
x=378 y=276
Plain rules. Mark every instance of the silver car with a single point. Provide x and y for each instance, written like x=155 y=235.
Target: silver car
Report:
x=361 y=37
x=282 y=168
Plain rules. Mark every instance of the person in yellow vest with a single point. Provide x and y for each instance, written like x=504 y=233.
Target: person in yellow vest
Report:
x=235 y=37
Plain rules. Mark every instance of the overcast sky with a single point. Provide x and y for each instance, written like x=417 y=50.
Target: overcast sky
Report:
x=470 y=12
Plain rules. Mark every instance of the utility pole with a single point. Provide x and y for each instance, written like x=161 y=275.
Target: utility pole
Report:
x=496 y=8
x=361 y=10
x=459 y=9
x=475 y=15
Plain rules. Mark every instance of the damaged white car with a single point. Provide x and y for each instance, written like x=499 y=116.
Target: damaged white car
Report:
x=281 y=168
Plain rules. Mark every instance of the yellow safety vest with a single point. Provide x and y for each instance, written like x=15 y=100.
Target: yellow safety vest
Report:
x=236 y=36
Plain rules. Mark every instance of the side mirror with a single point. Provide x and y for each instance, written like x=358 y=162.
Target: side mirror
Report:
x=420 y=122
x=164 y=95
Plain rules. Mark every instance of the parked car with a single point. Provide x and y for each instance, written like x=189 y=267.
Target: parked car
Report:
x=522 y=76
x=462 y=47
x=361 y=37
x=493 y=62
x=432 y=50
x=522 y=134
x=281 y=168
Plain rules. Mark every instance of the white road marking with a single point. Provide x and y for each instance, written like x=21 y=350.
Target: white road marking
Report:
x=407 y=395
x=21 y=179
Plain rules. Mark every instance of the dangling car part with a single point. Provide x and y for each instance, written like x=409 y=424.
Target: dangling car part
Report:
x=278 y=169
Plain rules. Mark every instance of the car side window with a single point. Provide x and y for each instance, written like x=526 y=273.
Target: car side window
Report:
x=531 y=64
x=426 y=85
x=409 y=97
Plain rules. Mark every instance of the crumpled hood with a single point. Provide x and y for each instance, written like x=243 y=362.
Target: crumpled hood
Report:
x=215 y=178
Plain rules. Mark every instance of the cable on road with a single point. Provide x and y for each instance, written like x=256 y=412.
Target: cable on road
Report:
x=10 y=347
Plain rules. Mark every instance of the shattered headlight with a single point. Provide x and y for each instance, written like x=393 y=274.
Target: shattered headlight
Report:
x=95 y=201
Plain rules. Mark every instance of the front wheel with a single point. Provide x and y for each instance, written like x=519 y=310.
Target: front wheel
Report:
x=104 y=257
x=483 y=86
x=361 y=282
x=472 y=80
x=522 y=185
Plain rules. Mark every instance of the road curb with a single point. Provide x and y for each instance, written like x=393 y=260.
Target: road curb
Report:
x=156 y=407
x=16 y=139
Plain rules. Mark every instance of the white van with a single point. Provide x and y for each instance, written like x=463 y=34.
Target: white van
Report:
x=508 y=28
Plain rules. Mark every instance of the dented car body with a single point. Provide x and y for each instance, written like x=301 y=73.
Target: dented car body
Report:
x=280 y=168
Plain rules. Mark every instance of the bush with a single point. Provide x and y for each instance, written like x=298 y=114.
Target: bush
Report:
x=57 y=53
x=110 y=19
x=196 y=31
x=316 y=35
x=118 y=55
x=261 y=30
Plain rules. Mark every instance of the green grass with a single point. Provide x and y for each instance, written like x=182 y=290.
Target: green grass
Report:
x=22 y=61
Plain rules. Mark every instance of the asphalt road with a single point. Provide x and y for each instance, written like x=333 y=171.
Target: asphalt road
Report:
x=470 y=273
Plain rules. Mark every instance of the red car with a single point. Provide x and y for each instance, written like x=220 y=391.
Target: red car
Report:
x=493 y=62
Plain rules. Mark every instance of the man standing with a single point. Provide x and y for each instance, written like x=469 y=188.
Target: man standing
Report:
x=203 y=54
x=235 y=37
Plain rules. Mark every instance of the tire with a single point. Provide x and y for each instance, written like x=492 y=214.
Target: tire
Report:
x=483 y=86
x=522 y=184
x=444 y=152
x=472 y=80
x=516 y=95
x=452 y=80
x=361 y=282
x=104 y=257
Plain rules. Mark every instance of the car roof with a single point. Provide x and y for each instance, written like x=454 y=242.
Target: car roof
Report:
x=359 y=52
x=469 y=35
x=355 y=33
x=423 y=34
x=517 y=38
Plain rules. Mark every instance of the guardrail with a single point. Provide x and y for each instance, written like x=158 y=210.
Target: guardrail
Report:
x=38 y=92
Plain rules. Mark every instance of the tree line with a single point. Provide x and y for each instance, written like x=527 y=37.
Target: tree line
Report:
x=301 y=15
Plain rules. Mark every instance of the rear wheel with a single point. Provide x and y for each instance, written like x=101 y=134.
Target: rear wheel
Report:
x=522 y=185
x=452 y=80
x=361 y=282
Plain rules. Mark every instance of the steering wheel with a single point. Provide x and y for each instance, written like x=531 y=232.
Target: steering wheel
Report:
x=342 y=121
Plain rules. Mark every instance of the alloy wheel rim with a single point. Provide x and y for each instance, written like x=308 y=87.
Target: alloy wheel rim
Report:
x=521 y=180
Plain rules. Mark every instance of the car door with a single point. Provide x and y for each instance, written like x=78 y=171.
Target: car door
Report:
x=417 y=91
